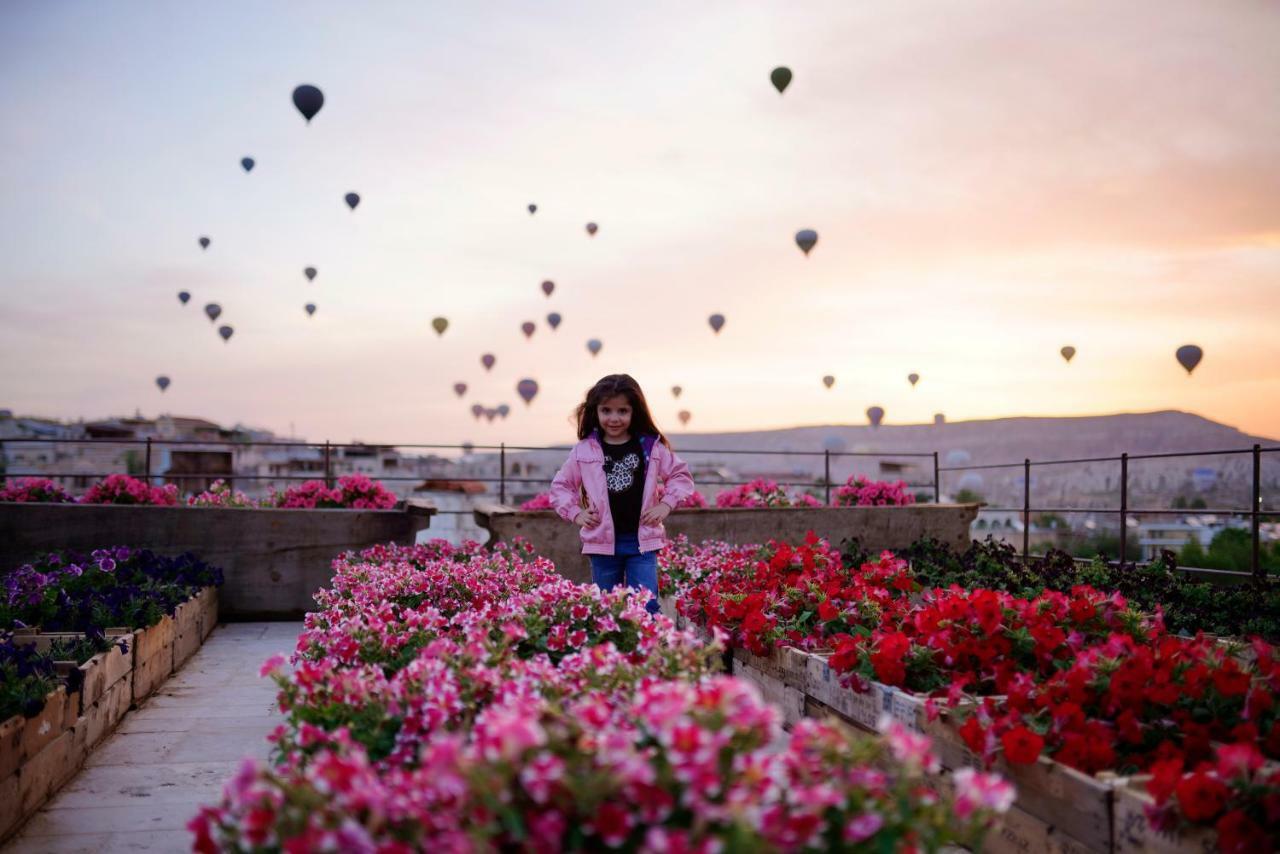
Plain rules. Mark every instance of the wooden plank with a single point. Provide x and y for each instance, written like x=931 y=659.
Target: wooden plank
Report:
x=103 y=716
x=1133 y=834
x=38 y=775
x=10 y=806
x=11 y=745
x=774 y=691
x=209 y=608
x=45 y=727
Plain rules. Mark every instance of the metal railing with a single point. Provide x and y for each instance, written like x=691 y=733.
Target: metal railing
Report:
x=1255 y=512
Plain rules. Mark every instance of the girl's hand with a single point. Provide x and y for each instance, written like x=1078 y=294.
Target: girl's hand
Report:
x=588 y=518
x=655 y=514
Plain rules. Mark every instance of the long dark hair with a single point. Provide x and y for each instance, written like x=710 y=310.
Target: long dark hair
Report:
x=611 y=386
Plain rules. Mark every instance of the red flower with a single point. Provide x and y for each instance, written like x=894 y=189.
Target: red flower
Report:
x=1238 y=834
x=1201 y=797
x=1021 y=745
x=1165 y=776
x=827 y=611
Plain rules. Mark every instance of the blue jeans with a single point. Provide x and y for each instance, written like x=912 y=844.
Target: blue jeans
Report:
x=627 y=566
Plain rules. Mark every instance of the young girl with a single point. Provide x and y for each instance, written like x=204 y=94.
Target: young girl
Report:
x=607 y=486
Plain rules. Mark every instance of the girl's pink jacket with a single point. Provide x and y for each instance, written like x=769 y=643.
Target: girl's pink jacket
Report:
x=583 y=473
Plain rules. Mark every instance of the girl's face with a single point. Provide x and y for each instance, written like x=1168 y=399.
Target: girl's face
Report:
x=614 y=414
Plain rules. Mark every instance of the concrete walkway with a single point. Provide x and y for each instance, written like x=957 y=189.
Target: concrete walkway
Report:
x=139 y=789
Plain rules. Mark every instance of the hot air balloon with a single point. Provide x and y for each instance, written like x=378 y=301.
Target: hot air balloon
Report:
x=1067 y=352
x=308 y=99
x=204 y=243
x=527 y=389
x=1189 y=355
x=548 y=286
x=247 y=163
x=213 y=310
x=592 y=228
x=439 y=324
x=311 y=308
x=806 y=239
x=533 y=209
x=781 y=78
x=527 y=328
x=503 y=411
x=310 y=273
x=459 y=389
x=487 y=360
x=477 y=410
x=675 y=391
x=717 y=322
x=163 y=382
x=225 y=332
x=594 y=346
x=353 y=199
x=684 y=416
x=828 y=381
x=490 y=413
x=913 y=379
x=553 y=319
x=875 y=415
x=183 y=297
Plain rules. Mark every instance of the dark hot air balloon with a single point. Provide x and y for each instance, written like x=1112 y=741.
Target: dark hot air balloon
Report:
x=308 y=99
x=806 y=239
x=459 y=389
x=310 y=273
x=828 y=381
x=533 y=209
x=477 y=410
x=225 y=332
x=353 y=199
x=527 y=389
x=717 y=322
x=1068 y=352
x=553 y=319
x=675 y=391
x=490 y=413
x=184 y=297
x=592 y=228
x=548 y=286
x=684 y=416
x=875 y=415
x=439 y=324
x=163 y=382
x=781 y=78
x=913 y=379
x=213 y=310
x=311 y=308
x=204 y=243
x=1189 y=355
x=247 y=163
x=503 y=410
x=527 y=328
x=594 y=346
x=487 y=360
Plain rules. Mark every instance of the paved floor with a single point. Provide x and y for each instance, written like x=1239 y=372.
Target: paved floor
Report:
x=139 y=789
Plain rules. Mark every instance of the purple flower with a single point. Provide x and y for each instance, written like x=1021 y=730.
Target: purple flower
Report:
x=107 y=565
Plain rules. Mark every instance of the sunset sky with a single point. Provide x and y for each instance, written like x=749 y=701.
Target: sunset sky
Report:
x=989 y=180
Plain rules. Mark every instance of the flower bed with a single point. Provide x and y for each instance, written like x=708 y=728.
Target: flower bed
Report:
x=1062 y=691
x=110 y=642
x=454 y=700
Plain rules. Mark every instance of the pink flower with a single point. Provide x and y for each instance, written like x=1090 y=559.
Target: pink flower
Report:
x=979 y=790
x=272 y=665
x=863 y=827
x=909 y=748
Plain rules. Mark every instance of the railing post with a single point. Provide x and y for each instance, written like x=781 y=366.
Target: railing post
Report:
x=502 y=473
x=1026 y=508
x=1255 y=512
x=328 y=466
x=937 y=484
x=826 y=463
x=146 y=470
x=1124 y=508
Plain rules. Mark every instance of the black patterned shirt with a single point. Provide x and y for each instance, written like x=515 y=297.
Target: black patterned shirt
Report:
x=624 y=475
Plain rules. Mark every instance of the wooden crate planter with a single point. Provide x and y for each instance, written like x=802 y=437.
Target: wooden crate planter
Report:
x=1133 y=834
x=208 y=598
x=1019 y=832
x=775 y=684
x=153 y=657
x=186 y=632
x=96 y=675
